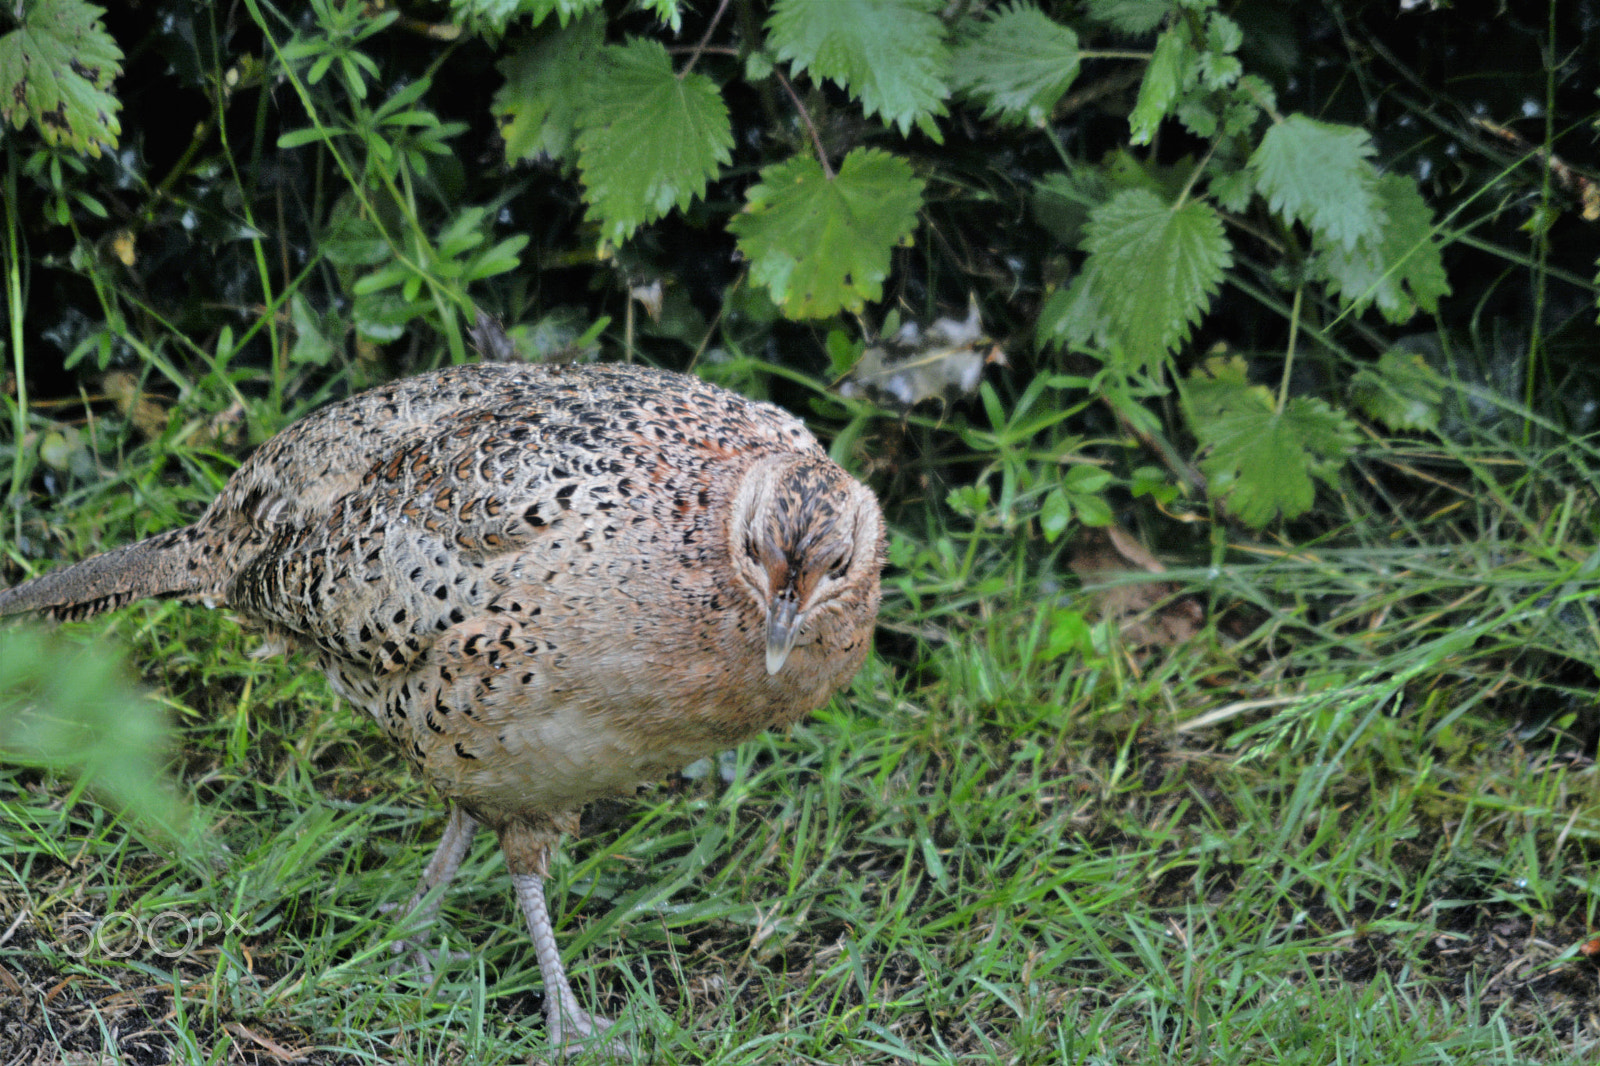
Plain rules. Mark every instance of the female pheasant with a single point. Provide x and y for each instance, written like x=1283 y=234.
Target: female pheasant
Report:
x=546 y=583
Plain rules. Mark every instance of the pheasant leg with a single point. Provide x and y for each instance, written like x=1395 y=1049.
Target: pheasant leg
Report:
x=454 y=843
x=571 y=1028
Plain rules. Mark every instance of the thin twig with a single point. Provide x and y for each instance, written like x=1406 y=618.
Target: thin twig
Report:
x=694 y=57
x=805 y=116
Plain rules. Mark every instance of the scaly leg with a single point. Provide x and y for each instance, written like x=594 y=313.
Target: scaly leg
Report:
x=571 y=1028
x=454 y=843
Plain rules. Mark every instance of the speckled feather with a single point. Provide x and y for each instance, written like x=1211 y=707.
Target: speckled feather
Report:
x=522 y=572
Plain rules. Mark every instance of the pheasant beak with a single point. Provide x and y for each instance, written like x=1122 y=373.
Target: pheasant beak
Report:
x=782 y=628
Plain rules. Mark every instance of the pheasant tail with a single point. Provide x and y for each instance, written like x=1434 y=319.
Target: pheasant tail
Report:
x=162 y=566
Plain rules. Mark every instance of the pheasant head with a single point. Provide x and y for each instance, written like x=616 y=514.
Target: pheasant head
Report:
x=807 y=542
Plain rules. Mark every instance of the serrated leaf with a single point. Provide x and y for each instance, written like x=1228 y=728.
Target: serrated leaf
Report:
x=1172 y=67
x=539 y=104
x=1402 y=391
x=1152 y=271
x=383 y=316
x=1220 y=386
x=1259 y=461
x=1062 y=201
x=1223 y=35
x=1073 y=315
x=1318 y=173
x=820 y=244
x=1136 y=17
x=1017 y=65
x=1400 y=269
x=1198 y=116
x=667 y=12
x=353 y=241
x=55 y=69
x=496 y=15
x=888 y=54
x=650 y=140
x=1231 y=189
x=1218 y=71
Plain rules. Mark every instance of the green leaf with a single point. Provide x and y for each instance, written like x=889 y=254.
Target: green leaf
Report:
x=539 y=104
x=1231 y=189
x=383 y=316
x=1152 y=271
x=1400 y=269
x=1218 y=67
x=1259 y=461
x=55 y=69
x=1221 y=386
x=820 y=244
x=500 y=259
x=1017 y=65
x=1154 y=482
x=1061 y=202
x=1136 y=17
x=1055 y=513
x=1171 y=69
x=495 y=15
x=667 y=12
x=969 y=500
x=74 y=707
x=353 y=241
x=1402 y=392
x=1086 y=478
x=1074 y=315
x=888 y=54
x=1198 y=116
x=1092 y=510
x=650 y=140
x=311 y=347
x=1318 y=173
x=844 y=352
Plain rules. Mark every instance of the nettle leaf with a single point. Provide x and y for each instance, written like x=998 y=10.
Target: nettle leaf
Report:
x=55 y=69
x=1220 y=386
x=650 y=140
x=1074 y=315
x=1152 y=270
x=821 y=245
x=539 y=105
x=496 y=15
x=1061 y=202
x=1172 y=69
x=1400 y=269
x=1260 y=461
x=667 y=12
x=1017 y=65
x=1136 y=17
x=1318 y=173
x=888 y=54
x=1402 y=391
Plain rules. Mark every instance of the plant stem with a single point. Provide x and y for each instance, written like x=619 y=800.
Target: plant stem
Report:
x=1288 y=355
x=14 y=312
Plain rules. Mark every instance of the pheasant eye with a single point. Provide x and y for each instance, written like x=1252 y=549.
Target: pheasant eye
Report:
x=839 y=567
x=750 y=551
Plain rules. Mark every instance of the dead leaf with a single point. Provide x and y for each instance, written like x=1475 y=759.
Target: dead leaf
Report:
x=1148 y=613
x=946 y=362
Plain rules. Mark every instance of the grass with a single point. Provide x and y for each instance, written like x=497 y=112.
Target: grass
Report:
x=1351 y=819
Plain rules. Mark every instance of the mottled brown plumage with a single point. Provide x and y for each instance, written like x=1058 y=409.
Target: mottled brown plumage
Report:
x=547 y=584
